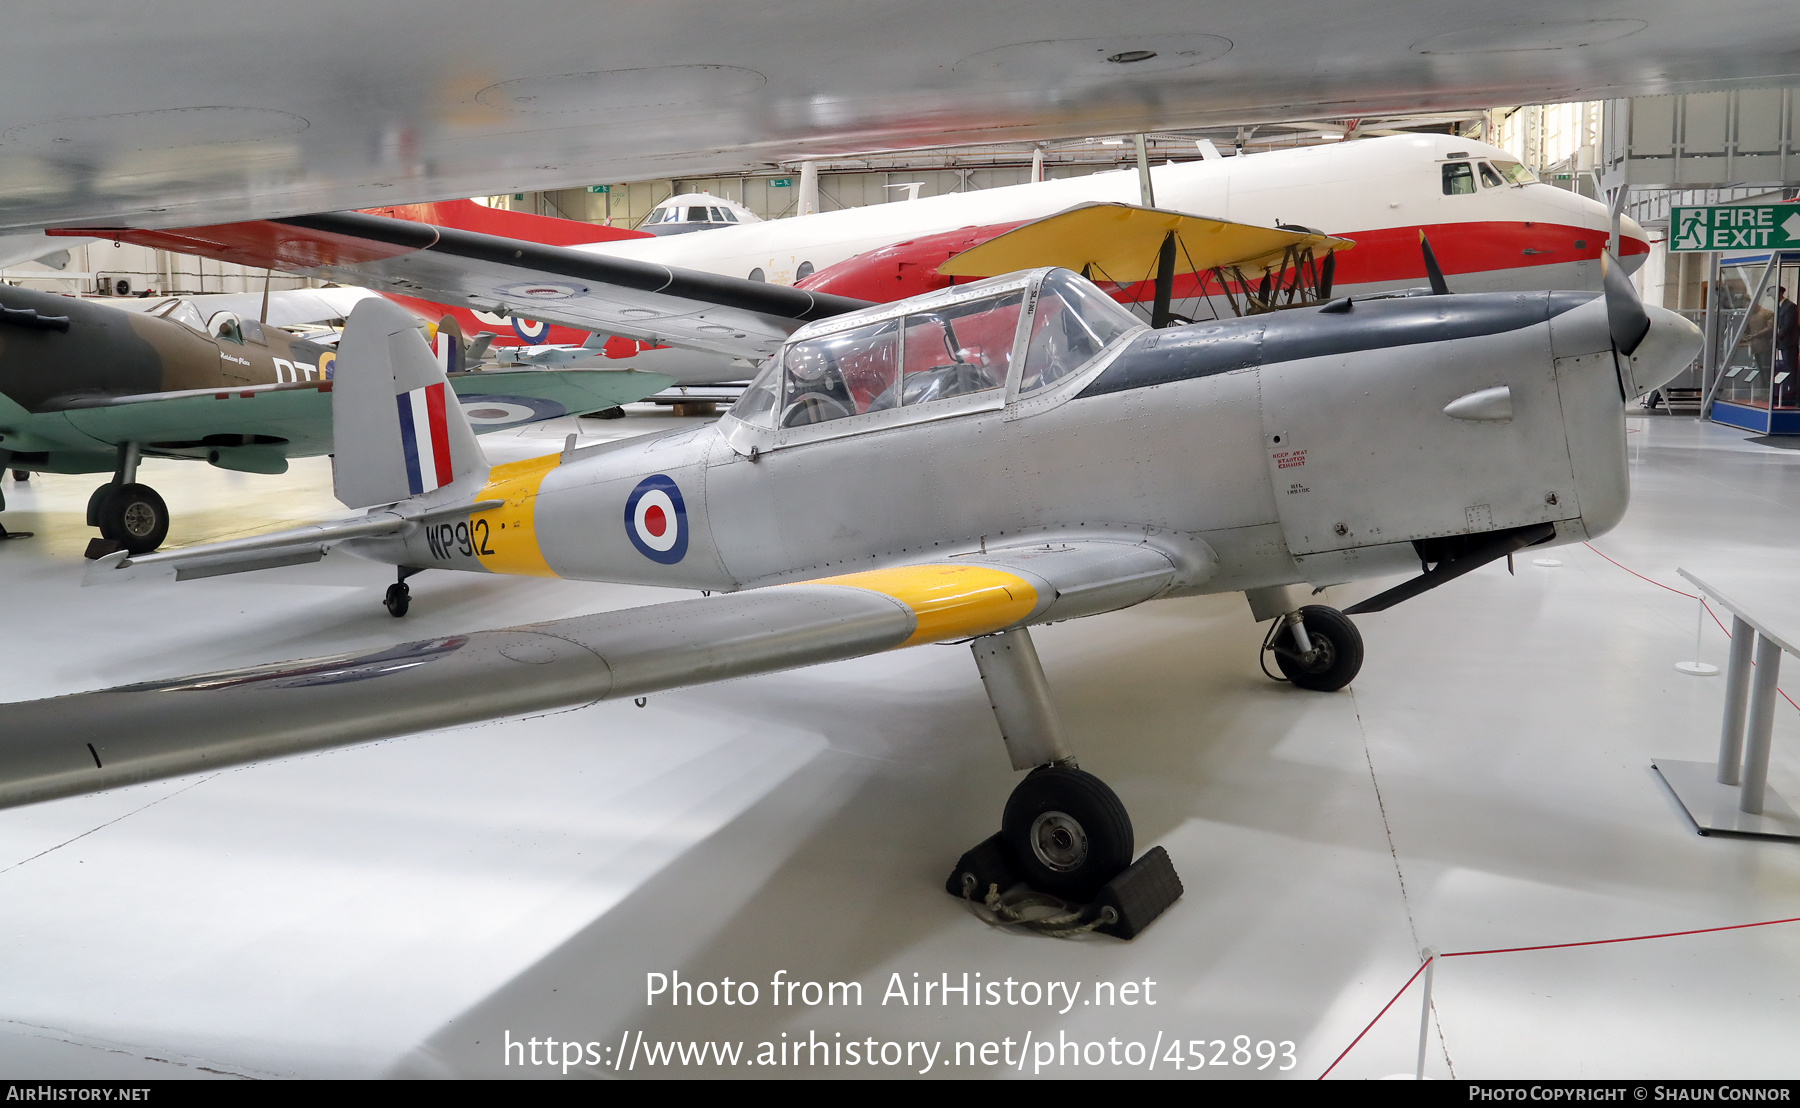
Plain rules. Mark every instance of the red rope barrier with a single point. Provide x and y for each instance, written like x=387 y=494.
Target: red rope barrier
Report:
x=1626 y=939
x=1641 y=577
x=1546 y=946
x=1690 y=596
x=1373 y=1022
x=1588 y=942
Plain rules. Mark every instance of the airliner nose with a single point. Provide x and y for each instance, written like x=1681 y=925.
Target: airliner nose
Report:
x=1634 y=244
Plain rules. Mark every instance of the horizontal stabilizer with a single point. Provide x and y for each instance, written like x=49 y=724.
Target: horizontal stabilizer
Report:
x=294 y=546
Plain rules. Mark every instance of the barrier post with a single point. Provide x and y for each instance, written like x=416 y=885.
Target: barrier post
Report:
x=1755 y=774
x=1430 y=954
x=1737 y=696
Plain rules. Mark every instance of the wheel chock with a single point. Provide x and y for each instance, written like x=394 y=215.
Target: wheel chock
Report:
x=1140 y=894
x=100 y=548
x=1123 y=908
x=989 y=863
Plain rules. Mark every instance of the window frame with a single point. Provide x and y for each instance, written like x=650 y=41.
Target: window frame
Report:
x=743 y=437
x=1467 y=165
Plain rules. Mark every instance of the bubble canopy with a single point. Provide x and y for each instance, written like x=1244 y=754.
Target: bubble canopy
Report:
x=965 y=348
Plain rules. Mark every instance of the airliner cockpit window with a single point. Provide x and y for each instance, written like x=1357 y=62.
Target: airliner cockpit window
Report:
x=1515 y=173
x=1459 y=179
x=1490 y=178
x=696 y=215
x=846 y=374
x=1072 y=324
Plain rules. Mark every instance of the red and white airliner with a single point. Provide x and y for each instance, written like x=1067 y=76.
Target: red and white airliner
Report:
x=1491 y=226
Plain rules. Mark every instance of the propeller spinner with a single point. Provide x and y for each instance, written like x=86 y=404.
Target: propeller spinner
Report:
x=1625 y=314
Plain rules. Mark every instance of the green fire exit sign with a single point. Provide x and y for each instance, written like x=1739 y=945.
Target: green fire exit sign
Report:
x=1735 y=227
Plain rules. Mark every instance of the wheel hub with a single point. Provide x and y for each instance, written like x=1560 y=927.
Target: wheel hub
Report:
x=139 y=519
x=1059 y=841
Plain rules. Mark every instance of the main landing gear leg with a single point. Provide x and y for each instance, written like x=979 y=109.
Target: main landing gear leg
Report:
x=1064 y=832
x=1315 y=647
x=399 y=596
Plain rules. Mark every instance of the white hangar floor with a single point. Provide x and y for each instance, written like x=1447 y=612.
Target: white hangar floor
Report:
x=408 y=906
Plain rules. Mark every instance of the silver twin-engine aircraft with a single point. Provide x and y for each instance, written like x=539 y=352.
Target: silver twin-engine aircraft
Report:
x=962 y=465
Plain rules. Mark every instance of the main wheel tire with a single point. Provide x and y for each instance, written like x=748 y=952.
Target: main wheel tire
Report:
x=135 y=517
x=1337 y=646
x=398 y=599
x=21 y=475
x=1068 y=832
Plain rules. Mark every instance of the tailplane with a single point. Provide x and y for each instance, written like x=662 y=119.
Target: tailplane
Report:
x=398 y=430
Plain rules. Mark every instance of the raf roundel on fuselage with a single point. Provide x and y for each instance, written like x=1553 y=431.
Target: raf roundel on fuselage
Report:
x=656 y=520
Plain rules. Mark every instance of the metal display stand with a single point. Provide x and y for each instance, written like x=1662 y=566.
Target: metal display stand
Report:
x=1733 y=796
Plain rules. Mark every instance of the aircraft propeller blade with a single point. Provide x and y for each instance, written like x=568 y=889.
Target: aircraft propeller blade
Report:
x=1432 y=272
x=1625 y=314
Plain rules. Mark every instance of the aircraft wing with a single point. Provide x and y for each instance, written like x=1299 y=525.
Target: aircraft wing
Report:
x=1118 y=239
x=299 y=413
x=619 y=296
x=96 y=740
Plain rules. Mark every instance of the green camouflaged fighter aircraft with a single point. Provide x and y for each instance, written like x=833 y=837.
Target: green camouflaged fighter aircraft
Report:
x=88 y=388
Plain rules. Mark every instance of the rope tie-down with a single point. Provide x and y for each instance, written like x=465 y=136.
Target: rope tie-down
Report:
x=1014 y=909
x=1122 y=908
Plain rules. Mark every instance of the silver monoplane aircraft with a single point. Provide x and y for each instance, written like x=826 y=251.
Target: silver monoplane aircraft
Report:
x=963 y=465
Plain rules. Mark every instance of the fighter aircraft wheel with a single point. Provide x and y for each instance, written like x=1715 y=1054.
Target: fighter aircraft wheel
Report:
x=21 y=475
x=135 y=517
x=1337 y=651
x=398 y=599
x=614 y=412
x=1068 y=832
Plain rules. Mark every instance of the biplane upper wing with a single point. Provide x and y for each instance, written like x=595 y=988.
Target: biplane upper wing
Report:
x=1116 y=239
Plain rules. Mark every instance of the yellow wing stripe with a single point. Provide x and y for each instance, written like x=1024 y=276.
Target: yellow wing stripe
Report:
x=511 y=544
x=949 y=601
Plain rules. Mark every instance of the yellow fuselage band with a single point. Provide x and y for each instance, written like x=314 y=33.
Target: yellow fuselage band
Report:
x=510 y=537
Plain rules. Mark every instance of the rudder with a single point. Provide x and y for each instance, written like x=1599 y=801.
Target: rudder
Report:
x=398 y=430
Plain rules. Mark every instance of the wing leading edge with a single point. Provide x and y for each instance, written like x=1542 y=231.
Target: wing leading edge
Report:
x=86 y=742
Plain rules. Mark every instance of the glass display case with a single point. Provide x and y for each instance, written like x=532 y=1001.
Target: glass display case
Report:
x=1758 y=380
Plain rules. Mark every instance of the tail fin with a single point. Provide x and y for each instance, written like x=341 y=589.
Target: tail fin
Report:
x=398 y=430
x=448 y=345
